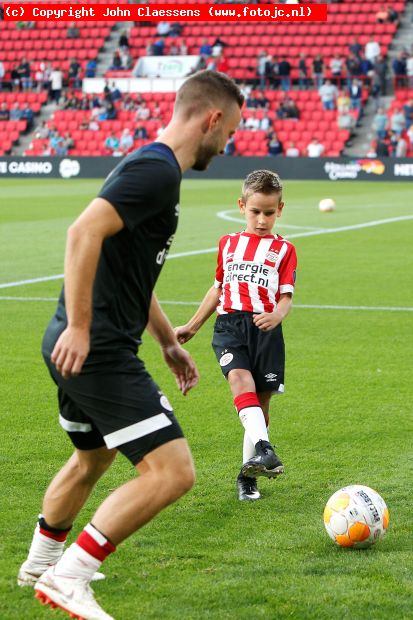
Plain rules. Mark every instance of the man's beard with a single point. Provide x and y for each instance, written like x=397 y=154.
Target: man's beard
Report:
x=205 y=153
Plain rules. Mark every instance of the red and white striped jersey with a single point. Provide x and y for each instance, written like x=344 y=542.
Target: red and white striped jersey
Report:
x=253 y=271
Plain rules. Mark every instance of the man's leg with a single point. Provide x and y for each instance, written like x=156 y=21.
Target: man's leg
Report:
x=62 y=502
x=166 y=474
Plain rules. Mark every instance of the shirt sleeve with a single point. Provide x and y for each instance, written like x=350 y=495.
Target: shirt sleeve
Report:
x=141 y=190
x=287 y=271
x=219 y=274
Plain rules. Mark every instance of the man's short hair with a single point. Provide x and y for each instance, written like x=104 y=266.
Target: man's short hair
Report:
x=261 y=182
x=206 y=88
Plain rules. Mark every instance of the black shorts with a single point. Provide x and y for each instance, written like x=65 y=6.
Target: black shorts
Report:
x=115 y=403
x=238 y=343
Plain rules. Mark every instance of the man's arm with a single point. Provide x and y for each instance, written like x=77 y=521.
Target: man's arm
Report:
x=205 y=310
x=179 y=361
x=83 y=247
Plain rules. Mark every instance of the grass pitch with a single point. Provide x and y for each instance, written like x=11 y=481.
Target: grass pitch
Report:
x=345 y=418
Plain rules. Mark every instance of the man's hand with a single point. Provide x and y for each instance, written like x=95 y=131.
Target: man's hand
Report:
x=266 y=321
x=70 y=351
x=183 y=333
x=182 y=365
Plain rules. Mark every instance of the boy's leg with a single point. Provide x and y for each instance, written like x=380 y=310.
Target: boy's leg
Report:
x=166 y=474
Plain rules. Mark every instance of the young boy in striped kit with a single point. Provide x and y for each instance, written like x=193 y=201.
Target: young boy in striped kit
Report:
x=252 y=294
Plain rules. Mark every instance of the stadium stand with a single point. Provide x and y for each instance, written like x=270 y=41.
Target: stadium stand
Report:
x=243 y=43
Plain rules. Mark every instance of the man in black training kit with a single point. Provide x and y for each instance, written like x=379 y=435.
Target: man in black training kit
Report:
x=107 y=400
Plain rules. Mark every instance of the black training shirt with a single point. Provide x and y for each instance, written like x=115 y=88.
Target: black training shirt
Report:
x=144 y=190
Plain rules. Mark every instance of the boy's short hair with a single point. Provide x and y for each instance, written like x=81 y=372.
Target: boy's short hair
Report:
x=206 y=88
x=262 y=182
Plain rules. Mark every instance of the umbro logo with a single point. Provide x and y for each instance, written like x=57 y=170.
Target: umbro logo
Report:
x=270 y=376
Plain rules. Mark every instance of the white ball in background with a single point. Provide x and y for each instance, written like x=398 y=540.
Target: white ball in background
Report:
x=326 y=205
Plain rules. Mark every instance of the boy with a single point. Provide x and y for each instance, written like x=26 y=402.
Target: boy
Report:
x=252 y=294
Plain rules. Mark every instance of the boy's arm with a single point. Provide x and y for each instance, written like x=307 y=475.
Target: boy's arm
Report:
x=268 y=320
x=205 y=310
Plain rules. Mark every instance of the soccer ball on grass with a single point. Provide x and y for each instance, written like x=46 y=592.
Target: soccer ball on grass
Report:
x=356 y=516
x=326 y=205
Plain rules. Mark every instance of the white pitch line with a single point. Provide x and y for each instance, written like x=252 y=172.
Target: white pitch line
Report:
x=169 y=302
x=309 y=233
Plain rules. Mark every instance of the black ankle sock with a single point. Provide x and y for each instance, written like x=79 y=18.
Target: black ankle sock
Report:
x=54 y=530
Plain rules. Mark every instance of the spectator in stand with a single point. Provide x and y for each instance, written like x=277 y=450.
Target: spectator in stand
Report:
x=372 y=150
x=28 y=115
x=292 y=150
x=230 y=147
x=90 y=69
x=2 y=74
x=345 y=120
x=115 y=94
x=127 y=103
x=116 y=62
x=275 y=146
x=261 y=70
x=84 y=103
x=409 y=134
x=109 y=113
x=123 y=40
x=183 y=49
x=318 y=71
x=156 y=113
x=366 y=69
x=382 y=15
x=353 y=68
x=380 y=72
x=55 y=142
x=356 y=93
x=140 y=132
x=84 y=123
x=68 y=141
x=4 y=112
x=61 y=149
x=222 y=64
x=409 y=70
x=399 y=67
x=74 y=74
x=315 y=148
x=23 y=71
x=382 y=148
x=397 y=121
x=408 y=112
x=112 y=143
x=125 y=59
x=343 y=101
x=42 y=132
x=252 y=123
x=393 y=16
x=284 y=71
x=158 y=47
x=163 y=29
x=205 y=49
x=56 y=83
x=173 y=49
x=142 y=112
x=393 y=140
x=336 y=68
x=380 y=123
x=328 y=94
x=16 y=112
x=355 y=47
x=262 y=101
x=93 y=125
x=372 y=50
x=126 y=141
x=265 y=122
x=72 y=32
x=303 y=81
x=69 y=102
x=218 y=46
x=401 y=147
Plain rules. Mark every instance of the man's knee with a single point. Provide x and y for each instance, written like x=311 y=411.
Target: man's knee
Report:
x=90 y=465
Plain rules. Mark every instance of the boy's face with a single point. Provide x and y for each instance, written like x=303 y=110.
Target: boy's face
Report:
x=261 y=211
